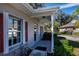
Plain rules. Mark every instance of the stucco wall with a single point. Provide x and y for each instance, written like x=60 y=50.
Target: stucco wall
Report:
x=76 y=30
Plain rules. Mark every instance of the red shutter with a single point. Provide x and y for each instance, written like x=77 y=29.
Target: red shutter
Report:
x=1 y=33
x=26 y=31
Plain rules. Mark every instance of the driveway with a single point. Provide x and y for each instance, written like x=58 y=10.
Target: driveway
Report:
x=69 y=37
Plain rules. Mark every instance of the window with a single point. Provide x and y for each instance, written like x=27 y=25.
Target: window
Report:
x=14 y=30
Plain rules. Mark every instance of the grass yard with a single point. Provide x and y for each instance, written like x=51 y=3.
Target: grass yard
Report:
x=65 y=47
x=76 y=34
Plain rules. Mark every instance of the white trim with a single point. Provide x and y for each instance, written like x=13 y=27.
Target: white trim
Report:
x=19 y=31
x=41 y=11
x=52 y=29
x=15 y=45
x=45 y=9
x=24 y=32
x=5 y=22
x=28 y=7
x=16 y=16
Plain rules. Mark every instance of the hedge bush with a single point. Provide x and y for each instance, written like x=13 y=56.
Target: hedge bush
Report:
x=62 y=47
x=46 y=36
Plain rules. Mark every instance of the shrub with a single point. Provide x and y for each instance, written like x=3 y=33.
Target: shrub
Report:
x=46 y=36
x=63 y=32
x=63 y=48
x=55 y=35
x=67 y=46
x=59 y=51
x=65 y=42
x=56 y=40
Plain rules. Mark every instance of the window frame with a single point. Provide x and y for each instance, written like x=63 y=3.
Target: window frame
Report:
x=21 y=31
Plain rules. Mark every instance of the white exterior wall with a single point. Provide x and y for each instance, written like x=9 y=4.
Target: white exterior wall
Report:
x=10 y=10
x=62 y=30
x=76 y=30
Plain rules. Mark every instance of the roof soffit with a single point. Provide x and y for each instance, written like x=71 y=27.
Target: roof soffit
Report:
x=26 y=8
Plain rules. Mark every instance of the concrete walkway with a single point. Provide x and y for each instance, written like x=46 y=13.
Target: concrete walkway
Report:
x=69 y=37
x=41 y=43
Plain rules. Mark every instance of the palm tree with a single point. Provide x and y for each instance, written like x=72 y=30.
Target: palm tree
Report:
x=76 y=12
x=77 y=24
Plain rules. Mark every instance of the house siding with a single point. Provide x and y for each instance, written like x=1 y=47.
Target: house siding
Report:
x=30 y=27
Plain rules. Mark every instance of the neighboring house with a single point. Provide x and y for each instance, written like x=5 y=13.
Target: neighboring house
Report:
x=20 y=22
x=70 y=27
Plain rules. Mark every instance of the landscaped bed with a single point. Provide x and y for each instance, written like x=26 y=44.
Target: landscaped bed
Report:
x=63 y=50
x=64 y=47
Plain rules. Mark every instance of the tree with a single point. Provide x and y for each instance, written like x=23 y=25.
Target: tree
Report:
x=47 y=27
x=56 y=26
x=63 y=18
x=76 y=12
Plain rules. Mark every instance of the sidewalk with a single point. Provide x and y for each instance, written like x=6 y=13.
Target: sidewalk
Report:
x=69 y=37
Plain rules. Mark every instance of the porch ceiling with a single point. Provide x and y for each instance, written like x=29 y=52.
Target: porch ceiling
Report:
x=27 y=9
x=44 y=20
x=44 y=11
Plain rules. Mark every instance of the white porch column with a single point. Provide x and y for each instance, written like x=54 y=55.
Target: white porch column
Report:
x=5 y=22
x=52 y=38
x=24 y=32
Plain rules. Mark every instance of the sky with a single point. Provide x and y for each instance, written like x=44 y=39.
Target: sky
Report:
x=65 y=7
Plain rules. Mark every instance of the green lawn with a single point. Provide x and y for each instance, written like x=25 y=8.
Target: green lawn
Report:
x=65 y=47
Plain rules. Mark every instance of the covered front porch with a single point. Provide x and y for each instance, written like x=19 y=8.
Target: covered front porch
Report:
x=32 y=29
x=41 y=48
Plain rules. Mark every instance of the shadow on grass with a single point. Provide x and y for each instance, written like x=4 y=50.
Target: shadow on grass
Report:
x=61 y=38
x=74 y=44
x=62 y=47
x=71 y=43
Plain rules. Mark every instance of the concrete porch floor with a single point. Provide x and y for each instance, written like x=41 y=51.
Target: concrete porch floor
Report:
x=42 y=43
